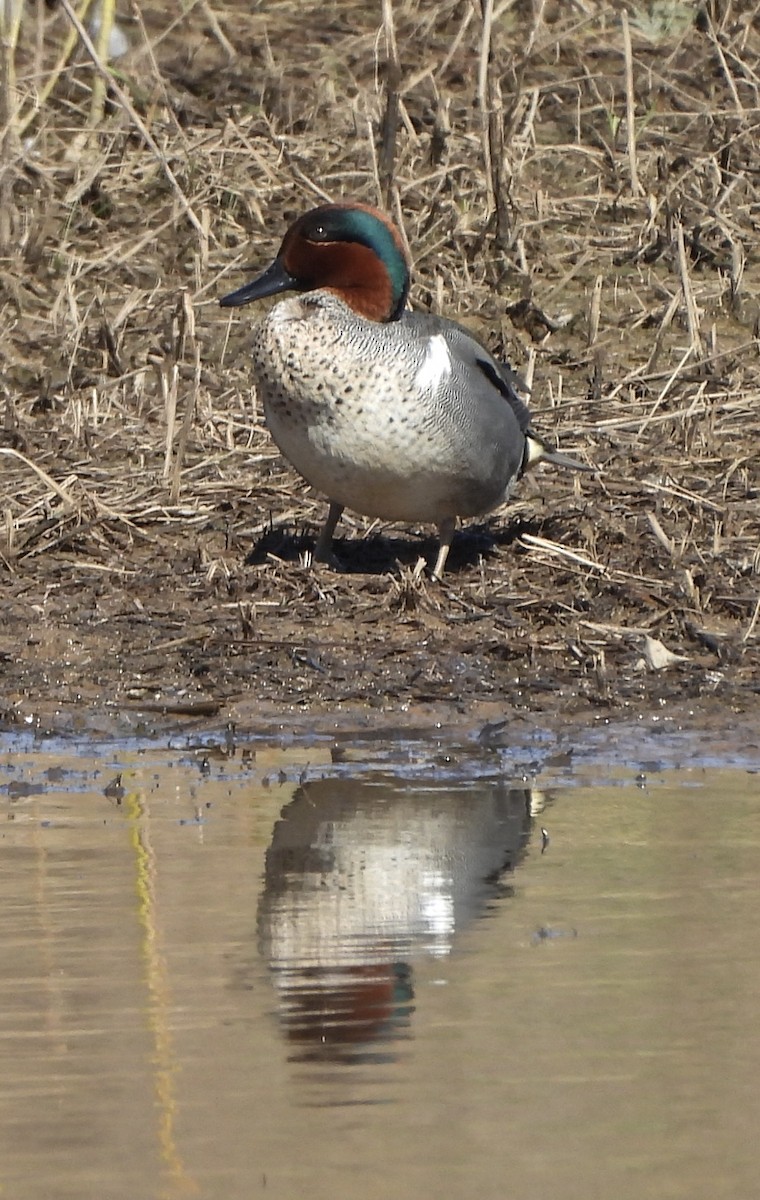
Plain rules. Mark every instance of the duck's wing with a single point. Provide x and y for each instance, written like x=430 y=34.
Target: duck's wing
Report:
x=471 y=352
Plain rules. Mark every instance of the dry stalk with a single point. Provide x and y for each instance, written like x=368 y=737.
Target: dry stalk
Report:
x=60 y=491
x=169 y=386
x=738 y=262
x=753 y=622
x=727 y=74
x=456 y=41
x=99 y=93
x=11 y=12
x=229 y=50
x=692 y=314
x=389 y=127
x=664 y=325
x=630 y=108
x=491 y=109
x=557 y=550
x=683 y=494
x=10 y=549
x=10 y=24
x=484 y=106
x=187 y=339
x=39 y=44
x=667 y=388
x=374 y=162
x=660 y=533
x=595 y=310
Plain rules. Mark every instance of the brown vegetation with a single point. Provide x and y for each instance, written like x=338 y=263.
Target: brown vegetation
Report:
x=579 y=182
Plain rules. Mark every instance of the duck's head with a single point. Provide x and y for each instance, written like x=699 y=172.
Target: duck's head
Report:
x=352 y=250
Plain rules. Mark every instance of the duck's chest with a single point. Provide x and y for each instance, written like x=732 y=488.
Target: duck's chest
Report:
x=322 y=382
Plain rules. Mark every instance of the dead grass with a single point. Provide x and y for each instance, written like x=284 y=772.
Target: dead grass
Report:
x=579 y=182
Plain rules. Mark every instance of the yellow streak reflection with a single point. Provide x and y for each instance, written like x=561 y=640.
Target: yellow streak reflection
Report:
x=157 y=978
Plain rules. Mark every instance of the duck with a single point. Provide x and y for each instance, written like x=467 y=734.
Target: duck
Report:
x=393 y=414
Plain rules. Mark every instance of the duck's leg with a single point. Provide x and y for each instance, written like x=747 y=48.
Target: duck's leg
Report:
x=323 y=548
x=445 y=535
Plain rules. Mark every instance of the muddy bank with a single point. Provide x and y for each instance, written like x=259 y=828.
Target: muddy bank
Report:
x=172 y=636
x=151 y=536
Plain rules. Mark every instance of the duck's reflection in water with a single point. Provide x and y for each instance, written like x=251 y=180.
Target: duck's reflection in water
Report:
x=361 y=878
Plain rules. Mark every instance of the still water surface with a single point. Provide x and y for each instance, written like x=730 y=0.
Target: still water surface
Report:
x=243 y=976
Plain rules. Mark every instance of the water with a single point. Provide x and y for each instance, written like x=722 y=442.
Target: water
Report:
x=307 y=972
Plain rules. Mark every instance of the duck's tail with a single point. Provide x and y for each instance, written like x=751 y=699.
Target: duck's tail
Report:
x=537 y=450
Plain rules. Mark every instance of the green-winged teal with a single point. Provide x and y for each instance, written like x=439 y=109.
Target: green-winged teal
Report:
x=398 y=415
